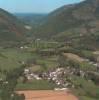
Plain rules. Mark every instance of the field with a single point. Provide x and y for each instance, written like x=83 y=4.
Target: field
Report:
x=11 y=58
x=48 y=95
x=73 y=57
x=36 y=85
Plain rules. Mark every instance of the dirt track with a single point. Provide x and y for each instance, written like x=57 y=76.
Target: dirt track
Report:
x=48 y=95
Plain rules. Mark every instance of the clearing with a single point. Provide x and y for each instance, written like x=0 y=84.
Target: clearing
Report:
x=48 y=95
x=73 y=57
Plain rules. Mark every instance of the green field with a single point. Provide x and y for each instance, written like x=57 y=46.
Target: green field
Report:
x=10 y=58
x=36 y=85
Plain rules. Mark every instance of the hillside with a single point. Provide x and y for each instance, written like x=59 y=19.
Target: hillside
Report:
x=72 y=21
x=11 y=29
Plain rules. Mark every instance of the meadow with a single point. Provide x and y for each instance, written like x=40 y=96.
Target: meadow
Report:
x=11 y=58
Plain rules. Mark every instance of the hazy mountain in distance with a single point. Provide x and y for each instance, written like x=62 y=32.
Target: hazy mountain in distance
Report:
x=31 y=18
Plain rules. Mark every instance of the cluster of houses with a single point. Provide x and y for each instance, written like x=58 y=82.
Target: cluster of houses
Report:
x=60 y=76
x=30 y=75
x=55 y=76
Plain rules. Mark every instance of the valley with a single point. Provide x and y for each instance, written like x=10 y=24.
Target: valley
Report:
x=47 y=67
x=55 y=55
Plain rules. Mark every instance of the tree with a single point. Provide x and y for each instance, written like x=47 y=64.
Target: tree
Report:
x=8 y=86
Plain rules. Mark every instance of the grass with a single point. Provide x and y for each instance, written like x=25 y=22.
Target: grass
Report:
x=36 y=85
x=85 y=89
x=50 y=62
x=11 y=58
x=86 y=66
x=35 y=68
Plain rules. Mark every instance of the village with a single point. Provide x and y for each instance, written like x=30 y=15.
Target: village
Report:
x=60 y=76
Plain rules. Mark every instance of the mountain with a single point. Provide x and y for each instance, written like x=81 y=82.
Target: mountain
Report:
x=76 y=23
x=30 y=18
x=77 y=20
x=11 y=29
